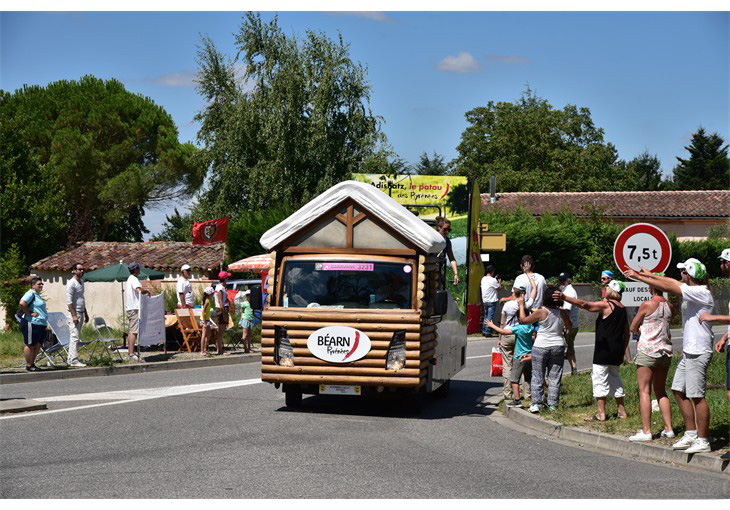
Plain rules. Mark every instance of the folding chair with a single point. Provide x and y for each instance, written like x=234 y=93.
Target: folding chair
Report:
x=187 y=322
x=105 y=337
x=58 y=352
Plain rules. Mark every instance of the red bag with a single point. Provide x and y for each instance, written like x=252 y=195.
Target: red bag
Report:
x=496 y=363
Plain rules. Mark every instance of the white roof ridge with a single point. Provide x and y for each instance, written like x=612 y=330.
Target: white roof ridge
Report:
x=394 y=214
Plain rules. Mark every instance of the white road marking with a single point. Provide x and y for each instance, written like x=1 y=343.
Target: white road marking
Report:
x=128 y=396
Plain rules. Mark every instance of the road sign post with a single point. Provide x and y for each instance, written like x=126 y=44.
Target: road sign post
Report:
x=641 y=244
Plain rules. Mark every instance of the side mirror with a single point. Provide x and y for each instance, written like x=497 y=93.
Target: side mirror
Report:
x=256 y=299
x=440 y=304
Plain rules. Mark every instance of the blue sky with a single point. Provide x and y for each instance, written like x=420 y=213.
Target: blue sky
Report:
x=650 y=79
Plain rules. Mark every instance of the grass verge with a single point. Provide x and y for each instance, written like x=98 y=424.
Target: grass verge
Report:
x=576 y=403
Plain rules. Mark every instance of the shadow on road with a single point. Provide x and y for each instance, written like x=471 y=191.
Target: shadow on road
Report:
x=464 y=399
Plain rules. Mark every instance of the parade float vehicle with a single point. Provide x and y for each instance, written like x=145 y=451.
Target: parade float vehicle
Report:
x=356 y=302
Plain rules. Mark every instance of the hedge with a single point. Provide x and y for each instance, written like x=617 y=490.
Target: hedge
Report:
x=583 y=247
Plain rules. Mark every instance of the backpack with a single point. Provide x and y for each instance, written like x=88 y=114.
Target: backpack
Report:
x=19 y=312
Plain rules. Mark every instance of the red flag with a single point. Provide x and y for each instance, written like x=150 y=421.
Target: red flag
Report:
x=209 y=232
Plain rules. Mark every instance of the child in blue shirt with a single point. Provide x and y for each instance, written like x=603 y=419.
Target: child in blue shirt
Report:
x=522 y=364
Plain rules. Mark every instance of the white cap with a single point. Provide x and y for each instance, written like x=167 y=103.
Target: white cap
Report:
x=186 y=267
x=247 y=292
x=694 y=268
x=725 y=255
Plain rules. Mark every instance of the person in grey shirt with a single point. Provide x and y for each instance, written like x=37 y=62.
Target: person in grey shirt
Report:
x=77 y=314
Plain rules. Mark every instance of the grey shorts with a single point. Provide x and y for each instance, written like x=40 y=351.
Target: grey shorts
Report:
x=519 y=368
x=643 y=360
x=133 y=320
x=691 y=375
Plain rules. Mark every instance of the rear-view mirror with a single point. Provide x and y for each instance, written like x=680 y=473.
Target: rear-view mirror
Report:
x=440 y=304
x=256 y=299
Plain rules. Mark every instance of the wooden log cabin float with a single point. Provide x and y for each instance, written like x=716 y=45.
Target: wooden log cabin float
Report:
x=356 y=302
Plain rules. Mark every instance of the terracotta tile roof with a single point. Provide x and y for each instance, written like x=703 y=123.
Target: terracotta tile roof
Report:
x=633 y=204
x=161 y=255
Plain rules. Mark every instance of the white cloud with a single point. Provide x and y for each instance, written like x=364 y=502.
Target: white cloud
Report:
x=508 y=59
x=464 y=62
x=184 y=79
x=371 y=15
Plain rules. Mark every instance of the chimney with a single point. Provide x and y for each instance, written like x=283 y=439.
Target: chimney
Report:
x=493 y=189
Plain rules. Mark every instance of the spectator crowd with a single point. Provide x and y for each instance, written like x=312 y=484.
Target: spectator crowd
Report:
x=539 y=324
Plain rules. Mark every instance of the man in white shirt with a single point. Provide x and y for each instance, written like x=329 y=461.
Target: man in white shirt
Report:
x=185 y=297
x=132 y=291
x=526 y=280
x=690 y=378
x=489 y=285
x=566 y=287
x=77 y=314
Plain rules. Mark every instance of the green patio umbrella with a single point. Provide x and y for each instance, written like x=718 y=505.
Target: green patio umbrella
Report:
x=120 y=273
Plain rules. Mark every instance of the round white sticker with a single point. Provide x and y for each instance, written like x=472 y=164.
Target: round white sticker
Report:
x=407 y=268
x=338 y=344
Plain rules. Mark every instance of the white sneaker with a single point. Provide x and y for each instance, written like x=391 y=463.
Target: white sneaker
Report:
x=534 y=408
x=133 y=357
x=77 y=364
x=668 y=434
x=685 y=442
x=699 y=445
x=640 y=436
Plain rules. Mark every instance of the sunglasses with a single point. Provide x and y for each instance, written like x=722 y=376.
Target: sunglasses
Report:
x=604 y=278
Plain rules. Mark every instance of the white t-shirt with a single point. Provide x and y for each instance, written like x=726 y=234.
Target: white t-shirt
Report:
x=489 y=289
x=527 y=282
x=184 y=287
x=131 y=296
x=572 y=309
x=218 y=288
x=511 y=311
x=697 y=337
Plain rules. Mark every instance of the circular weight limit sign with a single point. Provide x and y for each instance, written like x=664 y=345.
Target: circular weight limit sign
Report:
x=642 y=244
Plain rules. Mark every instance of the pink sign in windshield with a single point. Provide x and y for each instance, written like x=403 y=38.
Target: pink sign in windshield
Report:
x=346 y=266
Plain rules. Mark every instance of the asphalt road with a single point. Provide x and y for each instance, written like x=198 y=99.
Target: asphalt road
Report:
x=219 y=433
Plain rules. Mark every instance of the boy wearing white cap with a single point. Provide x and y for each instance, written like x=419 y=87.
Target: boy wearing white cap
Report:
x=185 y=298
x=690 y=379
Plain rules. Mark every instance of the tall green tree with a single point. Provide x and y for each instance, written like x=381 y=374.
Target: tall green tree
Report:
x=296 y=122
x=81 y=160
x=431 y=166
x=531 y=146
x=646 y=172
x=708 y=166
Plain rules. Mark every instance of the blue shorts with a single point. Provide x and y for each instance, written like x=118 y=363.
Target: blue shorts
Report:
x=33 y=334
x=246 y=324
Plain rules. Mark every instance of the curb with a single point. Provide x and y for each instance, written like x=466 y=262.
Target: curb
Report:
x=21 y=405
x=137 y=368
x=615 y=444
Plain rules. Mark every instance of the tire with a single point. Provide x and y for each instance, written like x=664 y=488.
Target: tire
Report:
x=293 y=396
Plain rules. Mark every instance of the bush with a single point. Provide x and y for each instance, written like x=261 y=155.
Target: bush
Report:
x=558 y=242
x=12 y=267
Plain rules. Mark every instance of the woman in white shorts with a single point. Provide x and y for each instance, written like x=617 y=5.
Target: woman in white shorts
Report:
x=612 y=337
x=653 y=358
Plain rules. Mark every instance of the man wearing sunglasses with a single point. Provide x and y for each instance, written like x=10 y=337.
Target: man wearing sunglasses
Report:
x=606 y=277
x=77 y=314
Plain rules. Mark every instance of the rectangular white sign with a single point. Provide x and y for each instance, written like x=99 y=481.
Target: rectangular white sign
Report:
x=151 y=320
x=635 y=293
